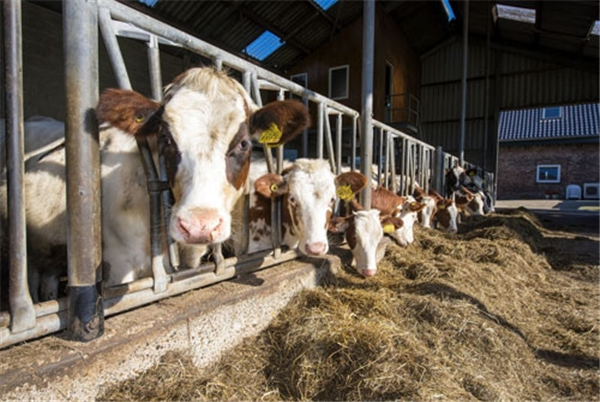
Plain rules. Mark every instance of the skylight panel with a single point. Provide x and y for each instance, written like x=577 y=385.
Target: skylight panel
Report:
x=264 y=45
x=149 y=3
x=516 y=13
x=326 y=4
x=596 y=28
x=449 y=10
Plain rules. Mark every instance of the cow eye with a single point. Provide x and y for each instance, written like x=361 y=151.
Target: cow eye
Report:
x=292 y=200
x=244 y=145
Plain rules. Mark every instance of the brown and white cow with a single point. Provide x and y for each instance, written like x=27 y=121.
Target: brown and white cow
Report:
x=204 y=125
x=309 y=190
x=438 y=212
x=364 y=233
x=405 y=208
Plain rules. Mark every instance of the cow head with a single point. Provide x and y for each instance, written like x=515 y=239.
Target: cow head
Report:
x=454 y=179
x=364 y=230
x=204 y=127
x=447 y=215
x=309 y=190
x=409 y=215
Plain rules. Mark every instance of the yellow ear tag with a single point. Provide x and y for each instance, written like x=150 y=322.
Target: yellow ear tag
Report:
x=459 y=209
x=271 y=136
x=414 y=204
x=345 y=192
x=274 y=188
x=472 y=174
x=139 y=119
x=442 y=207
x=389 y=228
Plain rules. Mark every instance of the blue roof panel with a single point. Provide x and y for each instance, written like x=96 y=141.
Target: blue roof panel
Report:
x=575 y=121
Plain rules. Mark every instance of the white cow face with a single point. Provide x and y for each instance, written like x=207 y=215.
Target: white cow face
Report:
x=409 y=215
x=309 y=191
x=368 y=234
x=204 y=129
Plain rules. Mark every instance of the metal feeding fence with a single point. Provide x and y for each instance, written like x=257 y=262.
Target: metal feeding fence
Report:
x=401 y=161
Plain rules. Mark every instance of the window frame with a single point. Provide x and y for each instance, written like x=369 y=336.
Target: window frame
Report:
x=547 y=166
x=347 y=83
x=546 y=109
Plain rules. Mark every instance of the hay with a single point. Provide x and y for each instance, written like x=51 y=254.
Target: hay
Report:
x=481 y=315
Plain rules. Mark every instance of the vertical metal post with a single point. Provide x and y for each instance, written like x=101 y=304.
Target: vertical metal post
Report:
x=366 y=146
x=166 y=197
x=86 y=313
x=21 y=305
x=354 y=134
x=438 y=170
x=486 y=105
x=463 y=109
x=320 y=122
x=305 y=133
x=338 y=139
x=329 y=140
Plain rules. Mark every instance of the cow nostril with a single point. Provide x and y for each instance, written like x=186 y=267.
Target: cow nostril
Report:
x=317 y=248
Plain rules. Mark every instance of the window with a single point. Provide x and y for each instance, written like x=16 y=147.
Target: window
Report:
x=551 y=113
x=520 y=14
x=338 y=82
x=548 y=174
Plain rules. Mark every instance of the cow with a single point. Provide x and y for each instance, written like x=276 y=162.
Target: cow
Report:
x=438 y=211
x=204 y=127
x=429 y=201
x=364 y=233
x=308 y=190
x=405 y=208
x=468 y=202
x=466 y=183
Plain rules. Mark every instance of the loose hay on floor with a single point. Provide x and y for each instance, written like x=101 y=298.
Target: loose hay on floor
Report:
x=487 y=314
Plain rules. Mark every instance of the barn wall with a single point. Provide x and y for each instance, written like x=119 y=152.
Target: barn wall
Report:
x=579 y=164
x=43 y=63
x=524 y=81
x=346 y=49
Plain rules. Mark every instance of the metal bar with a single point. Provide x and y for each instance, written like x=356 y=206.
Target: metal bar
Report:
x=338 y=139
x=124 y=12
x=86 y=316
x=21 y=305
x=463 y=109
x=354 y=134
x=320 y=122
x=112 y=47
x=366 y=146
x=329 y=140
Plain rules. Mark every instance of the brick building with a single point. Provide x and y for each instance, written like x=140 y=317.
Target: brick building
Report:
x=542 y=151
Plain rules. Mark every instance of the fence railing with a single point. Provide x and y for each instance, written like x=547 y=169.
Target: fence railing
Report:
x=400 y=161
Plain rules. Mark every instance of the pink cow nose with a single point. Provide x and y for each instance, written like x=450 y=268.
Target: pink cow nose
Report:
x=368 y=272
x=317 y=248
x=200 y=228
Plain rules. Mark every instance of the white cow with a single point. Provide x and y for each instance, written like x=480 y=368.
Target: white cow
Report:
x=309 y=190
x=204 y=126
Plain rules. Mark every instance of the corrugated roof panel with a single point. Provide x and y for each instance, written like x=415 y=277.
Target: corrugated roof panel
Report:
x=530 y=124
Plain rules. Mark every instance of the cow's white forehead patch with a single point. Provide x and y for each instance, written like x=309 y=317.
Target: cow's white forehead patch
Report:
x=368 y=228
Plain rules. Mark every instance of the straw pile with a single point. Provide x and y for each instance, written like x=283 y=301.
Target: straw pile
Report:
x=497 y=312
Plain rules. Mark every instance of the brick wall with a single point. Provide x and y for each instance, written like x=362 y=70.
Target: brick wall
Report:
x=517 y=167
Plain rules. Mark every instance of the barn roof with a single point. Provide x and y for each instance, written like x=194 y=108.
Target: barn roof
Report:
x=564 y=29
x=568 y=122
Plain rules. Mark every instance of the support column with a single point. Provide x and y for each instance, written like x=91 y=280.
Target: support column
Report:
x=86 y=311
x=366 y=142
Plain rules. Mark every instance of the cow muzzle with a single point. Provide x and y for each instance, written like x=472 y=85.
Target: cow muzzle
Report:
x=317 y=248
x=202 y=226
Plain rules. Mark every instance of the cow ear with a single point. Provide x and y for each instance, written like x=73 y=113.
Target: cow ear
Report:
x=390 y=224
x=270 y=185
x=338 y=224
x=128 y=111
x=350 y=183
x=279 y=122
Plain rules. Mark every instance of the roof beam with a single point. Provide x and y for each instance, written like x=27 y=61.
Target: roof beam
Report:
x=325 y=15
